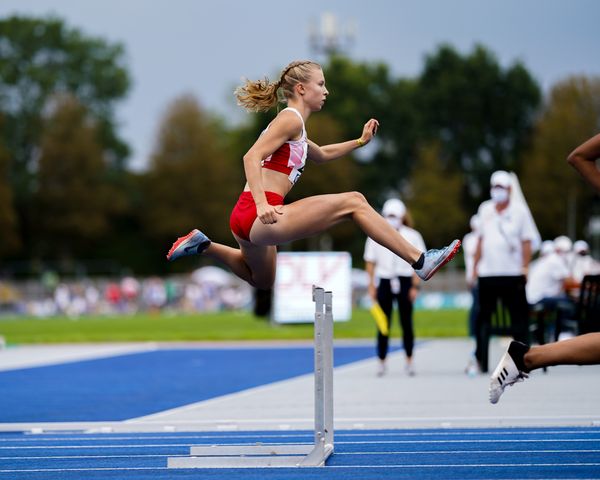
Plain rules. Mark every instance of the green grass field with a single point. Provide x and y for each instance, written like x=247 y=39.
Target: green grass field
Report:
x=224 y=326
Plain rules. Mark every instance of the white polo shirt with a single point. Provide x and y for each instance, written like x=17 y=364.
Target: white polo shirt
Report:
x=502 y=234
x=388 y=264
x=546 y=277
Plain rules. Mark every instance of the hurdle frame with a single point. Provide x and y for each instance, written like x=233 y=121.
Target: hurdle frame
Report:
x=286 y=454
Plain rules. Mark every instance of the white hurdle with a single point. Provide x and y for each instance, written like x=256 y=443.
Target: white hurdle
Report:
x=287 y=454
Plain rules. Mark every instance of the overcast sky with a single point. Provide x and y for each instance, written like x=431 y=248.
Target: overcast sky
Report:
x=205 y=48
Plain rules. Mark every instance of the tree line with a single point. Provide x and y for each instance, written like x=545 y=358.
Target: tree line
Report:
x=68 y=199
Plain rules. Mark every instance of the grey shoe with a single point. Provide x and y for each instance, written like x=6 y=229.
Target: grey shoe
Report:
x=436 y=259
x=193 y=243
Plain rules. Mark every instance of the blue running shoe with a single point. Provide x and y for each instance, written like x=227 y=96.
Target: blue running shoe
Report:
x=193 y=243
x=436 y=259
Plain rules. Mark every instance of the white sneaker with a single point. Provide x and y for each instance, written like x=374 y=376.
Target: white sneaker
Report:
x=381 y=369
x=506 y=373
x=436 y=259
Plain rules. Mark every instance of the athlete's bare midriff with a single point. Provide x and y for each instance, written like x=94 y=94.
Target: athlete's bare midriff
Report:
x=273 y=181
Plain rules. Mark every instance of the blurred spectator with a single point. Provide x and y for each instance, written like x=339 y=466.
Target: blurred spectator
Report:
x=583 y=263
x=130 y=289
x=113 y=296
x=397 y=282
x=548 y=281
x=507 y=232
x=548 y=274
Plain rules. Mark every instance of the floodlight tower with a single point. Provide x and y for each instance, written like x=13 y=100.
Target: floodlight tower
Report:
x=329 y=36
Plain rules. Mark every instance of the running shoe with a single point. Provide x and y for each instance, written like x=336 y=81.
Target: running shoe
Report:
x=193 y=243
x=509 y=371
x=436 y=259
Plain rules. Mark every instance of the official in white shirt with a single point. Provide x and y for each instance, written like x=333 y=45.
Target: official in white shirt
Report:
x=502 y=258
x=396 y=281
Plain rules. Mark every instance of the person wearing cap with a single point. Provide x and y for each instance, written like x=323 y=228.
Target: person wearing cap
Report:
x=583 y=263
x=502 y=259
x=396 y=281
x=548 y=280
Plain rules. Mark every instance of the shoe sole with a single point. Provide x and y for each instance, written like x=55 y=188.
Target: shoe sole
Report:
x=445 y=261
x=181 y=243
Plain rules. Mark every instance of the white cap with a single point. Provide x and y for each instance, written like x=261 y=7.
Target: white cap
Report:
x=563 y=244
x=581 y=246
x=547 y=247
x=395 y=207
x=501 y=178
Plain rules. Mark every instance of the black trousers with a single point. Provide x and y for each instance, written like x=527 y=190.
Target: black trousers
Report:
x=511 y=291
x=386 y=298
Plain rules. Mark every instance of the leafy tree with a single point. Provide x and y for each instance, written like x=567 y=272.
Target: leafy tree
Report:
x=9 y=240
x=38 y=59
x=481 y=113
x=74 y=200
x=434 y=198
x=560 y=201
x=192 y=179
x=359 y=91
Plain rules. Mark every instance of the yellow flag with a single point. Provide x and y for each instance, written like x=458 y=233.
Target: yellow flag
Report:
x=380 y=319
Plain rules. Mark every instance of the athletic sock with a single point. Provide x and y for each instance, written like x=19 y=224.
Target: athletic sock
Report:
x=419 y=263
x=517 y=351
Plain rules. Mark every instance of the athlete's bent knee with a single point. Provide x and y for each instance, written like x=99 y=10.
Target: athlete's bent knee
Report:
x=356 y=200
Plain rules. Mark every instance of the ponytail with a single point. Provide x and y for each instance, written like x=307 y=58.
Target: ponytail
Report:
x=262 y=95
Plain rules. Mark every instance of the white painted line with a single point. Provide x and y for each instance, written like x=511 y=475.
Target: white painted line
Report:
x=103 y=469
x=399 y=452
x=95 y=457
x=451 y=452
x=376 y=442
x=337 y=467
x=471 y=465
x=54 y=436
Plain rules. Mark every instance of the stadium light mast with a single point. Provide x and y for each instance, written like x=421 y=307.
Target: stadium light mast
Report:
x=328 y=36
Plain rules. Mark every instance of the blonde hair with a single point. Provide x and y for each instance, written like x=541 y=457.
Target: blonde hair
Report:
x=262 y=95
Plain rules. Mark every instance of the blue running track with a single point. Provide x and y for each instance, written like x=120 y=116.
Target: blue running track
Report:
x=128 y=386
x=518 y=453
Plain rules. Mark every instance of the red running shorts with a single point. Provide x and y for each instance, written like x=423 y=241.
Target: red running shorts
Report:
x=244 y=213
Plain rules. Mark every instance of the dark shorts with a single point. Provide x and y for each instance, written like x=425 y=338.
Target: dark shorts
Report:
x=244 y=213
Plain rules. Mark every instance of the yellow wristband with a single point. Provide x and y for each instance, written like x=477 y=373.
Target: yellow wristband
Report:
x=359 y=142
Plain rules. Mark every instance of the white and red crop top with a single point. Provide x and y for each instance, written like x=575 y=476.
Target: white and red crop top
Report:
x=290 y=157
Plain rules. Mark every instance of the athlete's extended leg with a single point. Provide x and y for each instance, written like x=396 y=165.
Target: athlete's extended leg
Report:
x=519 y=359
x=313 y=215
x=252 y=263
x=581 y=350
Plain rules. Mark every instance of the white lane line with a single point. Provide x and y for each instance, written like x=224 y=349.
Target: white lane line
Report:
x=97 y=457
x=400 y=452
x=538 y=440
x=376 y=442
x=405 y=466
x=66 y=447
x=48 y=437
x=462 y=452
x=37 y=470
